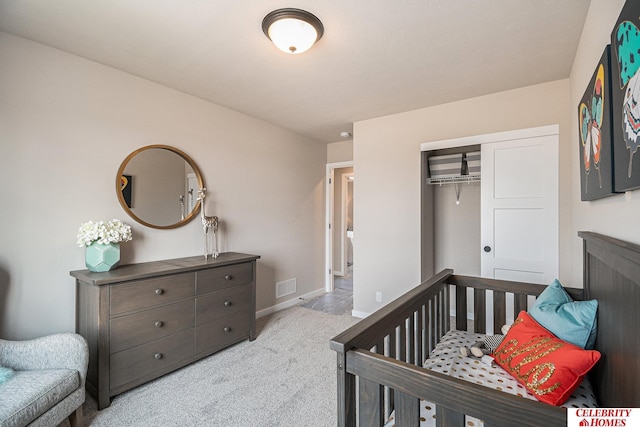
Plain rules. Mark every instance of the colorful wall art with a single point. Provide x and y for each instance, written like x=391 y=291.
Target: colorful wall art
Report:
x=594 y=123
x=625 y=66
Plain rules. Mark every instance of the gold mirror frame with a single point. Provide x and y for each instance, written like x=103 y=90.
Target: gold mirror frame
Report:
x=121 y=171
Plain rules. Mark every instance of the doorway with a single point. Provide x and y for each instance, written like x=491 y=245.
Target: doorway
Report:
x=518 y=202
x=339 y=226
x=343 y=230
x=515 y=209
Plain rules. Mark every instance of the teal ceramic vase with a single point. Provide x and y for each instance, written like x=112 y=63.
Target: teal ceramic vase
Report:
x=101 y=258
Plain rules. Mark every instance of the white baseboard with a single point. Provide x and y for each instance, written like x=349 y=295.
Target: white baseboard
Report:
x=290 y=303
x=359 y=314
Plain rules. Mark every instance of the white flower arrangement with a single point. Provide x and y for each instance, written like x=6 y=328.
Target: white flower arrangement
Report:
x=114 y=231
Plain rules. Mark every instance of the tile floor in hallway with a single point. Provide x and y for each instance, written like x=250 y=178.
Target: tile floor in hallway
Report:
x=340 y=301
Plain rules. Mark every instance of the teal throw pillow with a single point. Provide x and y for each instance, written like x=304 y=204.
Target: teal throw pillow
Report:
x=5 y=374
x=569 y=320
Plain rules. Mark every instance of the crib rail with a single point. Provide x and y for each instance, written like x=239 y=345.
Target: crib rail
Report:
x=381 y=356
x=499 y=288
x=452 y=397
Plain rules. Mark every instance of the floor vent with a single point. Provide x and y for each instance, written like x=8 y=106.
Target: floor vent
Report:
x=285 y=288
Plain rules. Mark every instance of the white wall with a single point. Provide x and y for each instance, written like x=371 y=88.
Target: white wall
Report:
x=341 y=151
x=457 y=228
x=387 y=249
x=66 y=124
x=387 y=160
x=616 y=216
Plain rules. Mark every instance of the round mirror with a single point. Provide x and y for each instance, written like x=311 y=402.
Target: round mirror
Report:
x=158 y=186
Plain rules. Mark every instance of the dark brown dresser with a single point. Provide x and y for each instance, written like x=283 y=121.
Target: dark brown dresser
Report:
x=144 y=320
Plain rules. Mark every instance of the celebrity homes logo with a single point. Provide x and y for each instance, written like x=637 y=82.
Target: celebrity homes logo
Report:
x=603 y=417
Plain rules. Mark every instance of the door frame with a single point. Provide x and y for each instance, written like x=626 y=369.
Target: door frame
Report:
x=329 y=219
x=344 y=241
x=491 y=137
x=540 y=131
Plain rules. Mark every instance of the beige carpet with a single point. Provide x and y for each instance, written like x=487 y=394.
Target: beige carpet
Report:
x=286 y=377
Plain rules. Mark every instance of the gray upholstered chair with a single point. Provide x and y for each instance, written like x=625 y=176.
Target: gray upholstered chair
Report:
x=47 y=385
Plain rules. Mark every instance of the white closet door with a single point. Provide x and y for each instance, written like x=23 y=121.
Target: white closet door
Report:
x=519 y=209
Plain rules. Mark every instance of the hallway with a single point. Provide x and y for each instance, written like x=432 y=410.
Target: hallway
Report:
x=340 y=301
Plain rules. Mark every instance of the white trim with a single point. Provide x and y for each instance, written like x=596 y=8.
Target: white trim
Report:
x=338 y=225
x=290 y=303
x=491 y=137
x=343 y=225
x=328 y=202
x=360 y=314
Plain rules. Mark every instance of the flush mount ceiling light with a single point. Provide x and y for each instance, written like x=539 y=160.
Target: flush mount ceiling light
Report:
x=292 y=30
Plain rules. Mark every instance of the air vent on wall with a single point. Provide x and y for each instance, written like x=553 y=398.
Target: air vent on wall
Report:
x=285 y=288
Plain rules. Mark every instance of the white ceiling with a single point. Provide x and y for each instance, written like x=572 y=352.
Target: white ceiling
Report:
x=377 y=57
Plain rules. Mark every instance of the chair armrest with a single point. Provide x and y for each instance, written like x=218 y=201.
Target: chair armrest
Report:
x=57 y=351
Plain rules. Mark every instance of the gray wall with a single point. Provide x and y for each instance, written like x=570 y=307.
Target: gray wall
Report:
x=387 y=258
x=392 y=144
x=67 y=124
x=457 y=228
x=341 y=151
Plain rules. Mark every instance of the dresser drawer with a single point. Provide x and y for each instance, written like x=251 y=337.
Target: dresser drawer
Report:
x=219 y=333
x=223 y=277
x=148 y=325
x=143 y=360
x=222 y=303
x=150 y=292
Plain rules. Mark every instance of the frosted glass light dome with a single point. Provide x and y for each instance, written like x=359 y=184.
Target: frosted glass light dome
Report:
x=292 y=30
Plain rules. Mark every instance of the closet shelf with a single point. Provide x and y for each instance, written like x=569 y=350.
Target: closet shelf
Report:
x=454 y=179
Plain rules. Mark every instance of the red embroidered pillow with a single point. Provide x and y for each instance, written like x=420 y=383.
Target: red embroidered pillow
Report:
x=551 y=369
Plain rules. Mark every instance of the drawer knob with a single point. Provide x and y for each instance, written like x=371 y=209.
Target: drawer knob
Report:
x=227 y=303
x=159 y=324
x=228 y=277
x=159 y=291
x=158 y=356
x=227 y=329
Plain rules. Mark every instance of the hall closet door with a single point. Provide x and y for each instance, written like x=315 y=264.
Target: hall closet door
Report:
x=519 y=208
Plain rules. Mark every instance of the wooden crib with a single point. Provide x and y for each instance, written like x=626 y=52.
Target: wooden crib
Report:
x=379 y=359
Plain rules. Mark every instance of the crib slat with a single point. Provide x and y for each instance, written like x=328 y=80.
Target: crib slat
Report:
x=420 y=355
x=448 y=418
x=436 y=317
x=479 y=311
x=519 y=304
x=390 y=344
x=432 y=324
x=407 y=410
x=380 y=346
x=411 y=342
x=370 y=407
x=402 y=351
x=346 y=394
x=445 y=310
x=461 y=308
x=440 y=329
x=499 y=311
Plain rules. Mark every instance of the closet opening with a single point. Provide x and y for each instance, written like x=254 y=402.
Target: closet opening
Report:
x=450 y=218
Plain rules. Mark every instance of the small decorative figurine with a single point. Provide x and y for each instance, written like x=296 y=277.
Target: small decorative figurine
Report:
x=210 y=228
x=486 y=346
